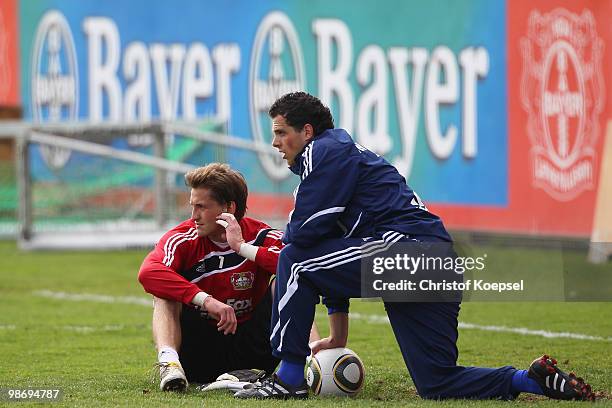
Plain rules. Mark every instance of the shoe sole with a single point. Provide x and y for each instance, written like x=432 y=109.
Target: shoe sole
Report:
x=245 y=394
x=550 y=364
x=175 y=384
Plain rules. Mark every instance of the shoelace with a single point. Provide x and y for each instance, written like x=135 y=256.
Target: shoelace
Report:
x=269 y=383
x=271 y=380
x=159 y=369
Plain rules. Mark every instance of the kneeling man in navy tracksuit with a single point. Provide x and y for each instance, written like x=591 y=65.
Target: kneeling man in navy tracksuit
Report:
x=352 y=204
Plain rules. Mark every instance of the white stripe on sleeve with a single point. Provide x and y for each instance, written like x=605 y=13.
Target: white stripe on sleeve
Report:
x=323 y=212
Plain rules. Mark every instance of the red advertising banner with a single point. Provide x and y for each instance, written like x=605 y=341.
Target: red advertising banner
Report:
x=558 y=68
x=9 y=73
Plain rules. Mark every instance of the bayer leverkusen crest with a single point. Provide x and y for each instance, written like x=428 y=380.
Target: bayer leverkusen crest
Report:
x=562 y=90
x=242 y=280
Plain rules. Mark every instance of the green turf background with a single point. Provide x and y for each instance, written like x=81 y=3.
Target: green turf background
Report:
x=101 y=354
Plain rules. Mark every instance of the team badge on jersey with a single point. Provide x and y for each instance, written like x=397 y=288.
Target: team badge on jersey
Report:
x=242 y=280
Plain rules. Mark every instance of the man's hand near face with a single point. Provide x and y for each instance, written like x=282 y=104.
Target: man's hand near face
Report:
x=233 y=232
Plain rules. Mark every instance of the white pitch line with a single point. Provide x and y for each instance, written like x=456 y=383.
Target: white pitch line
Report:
x=90 y=297
x=92 y=329
x=78 y=329
x=382 y=319
x=369 y=318
x=528 y=332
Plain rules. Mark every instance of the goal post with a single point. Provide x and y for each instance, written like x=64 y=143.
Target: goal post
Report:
x=109 y=194
x=600 y=248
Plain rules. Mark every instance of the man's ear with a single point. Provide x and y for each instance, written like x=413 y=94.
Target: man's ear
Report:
x=231 y=207
x=308 y=132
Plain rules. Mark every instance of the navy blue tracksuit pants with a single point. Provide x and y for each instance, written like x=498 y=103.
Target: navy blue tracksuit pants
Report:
x=426 y=332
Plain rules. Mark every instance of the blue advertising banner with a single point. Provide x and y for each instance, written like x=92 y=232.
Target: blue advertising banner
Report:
x=423 y=84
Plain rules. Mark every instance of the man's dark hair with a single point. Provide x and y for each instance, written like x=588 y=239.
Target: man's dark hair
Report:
x=300 y=108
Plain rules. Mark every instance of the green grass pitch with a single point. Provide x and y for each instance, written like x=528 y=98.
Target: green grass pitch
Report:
x=100 y=352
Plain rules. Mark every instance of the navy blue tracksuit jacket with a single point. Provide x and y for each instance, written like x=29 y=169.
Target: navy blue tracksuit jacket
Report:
x=351 y=204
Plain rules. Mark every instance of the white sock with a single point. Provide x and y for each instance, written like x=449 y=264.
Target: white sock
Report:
x=167 y=354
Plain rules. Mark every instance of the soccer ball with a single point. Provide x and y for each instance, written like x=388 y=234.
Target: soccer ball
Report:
x=337 y=371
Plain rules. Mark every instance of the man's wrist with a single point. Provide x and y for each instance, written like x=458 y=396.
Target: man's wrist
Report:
x=248 y=251
x=199 y=299
x=236 y=247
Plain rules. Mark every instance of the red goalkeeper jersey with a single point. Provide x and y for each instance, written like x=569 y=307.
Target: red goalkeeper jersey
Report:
x=183 y=264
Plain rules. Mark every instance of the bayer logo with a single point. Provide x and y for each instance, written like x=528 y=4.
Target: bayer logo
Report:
x=277 y=67
x=55 y=81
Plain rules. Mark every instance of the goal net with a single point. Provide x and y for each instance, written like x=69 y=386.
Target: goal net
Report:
x=101 y=186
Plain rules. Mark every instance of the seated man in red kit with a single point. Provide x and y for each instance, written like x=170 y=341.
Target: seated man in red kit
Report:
x=210 y=277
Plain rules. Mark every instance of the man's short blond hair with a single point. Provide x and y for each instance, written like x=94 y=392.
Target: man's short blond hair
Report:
x=224 y=184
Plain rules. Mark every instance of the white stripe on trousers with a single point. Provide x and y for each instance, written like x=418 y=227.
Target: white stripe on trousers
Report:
x=353 y=253
x=348 y=249
x=283 y=334
x=372 y=248
x=329 y=261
